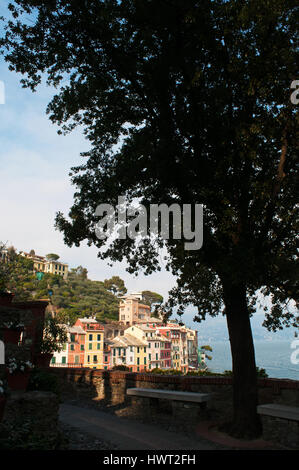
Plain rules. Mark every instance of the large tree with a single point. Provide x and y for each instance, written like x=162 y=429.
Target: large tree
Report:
x=116 y=285
x=196 y=95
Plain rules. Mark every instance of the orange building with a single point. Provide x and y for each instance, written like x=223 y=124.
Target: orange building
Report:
x=76 y=345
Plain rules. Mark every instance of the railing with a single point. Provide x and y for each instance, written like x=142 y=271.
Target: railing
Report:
x=66 y=364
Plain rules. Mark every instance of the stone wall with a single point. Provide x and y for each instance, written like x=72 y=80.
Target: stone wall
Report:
x=108 y=389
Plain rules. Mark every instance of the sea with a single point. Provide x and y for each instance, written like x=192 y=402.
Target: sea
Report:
x=280 y=358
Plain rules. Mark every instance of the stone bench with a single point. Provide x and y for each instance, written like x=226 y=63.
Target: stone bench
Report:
x=185 y=406
x=280 y=423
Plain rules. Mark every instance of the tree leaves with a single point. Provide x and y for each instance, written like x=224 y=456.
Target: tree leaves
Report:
x=183 y=102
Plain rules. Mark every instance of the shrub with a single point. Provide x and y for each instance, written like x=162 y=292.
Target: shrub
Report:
x=43 y=381
x=121 y=367
x=261 y=373
x=164 y=371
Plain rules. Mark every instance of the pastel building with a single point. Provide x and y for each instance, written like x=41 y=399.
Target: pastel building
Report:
x=72 y=353
x=130 y=351
x=192 y=347
x=132 y=310
x=76 y=347
x=60 y=359
x=165 y=353
x=183 y=350
x=156 y=357
x=107 y=355
x=41 y=264
x=94 y=342
x=172 y=332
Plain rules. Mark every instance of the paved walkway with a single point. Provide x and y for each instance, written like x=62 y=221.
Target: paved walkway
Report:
x=128 y=434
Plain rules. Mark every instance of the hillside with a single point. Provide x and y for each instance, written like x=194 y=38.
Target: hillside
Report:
x=72 y=298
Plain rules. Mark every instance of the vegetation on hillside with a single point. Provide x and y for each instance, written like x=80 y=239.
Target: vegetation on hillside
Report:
x=72 y=298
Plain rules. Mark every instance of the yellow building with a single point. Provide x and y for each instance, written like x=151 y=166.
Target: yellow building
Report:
x=55 y=267
x=94 y=343
x=41 y=264
x=142 y=349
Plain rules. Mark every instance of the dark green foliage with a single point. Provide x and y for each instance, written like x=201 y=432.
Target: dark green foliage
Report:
x=20 y=437
x=16 y=275
x=164 y=371
x=200 y=103
x=79 y=297
x=115 y=285
x=52 y=257
x=121 y=367
x=260 y=372
x=54 y=336
x=197 y=97
x=72 y=298
x=150 y=298
x=43 y=381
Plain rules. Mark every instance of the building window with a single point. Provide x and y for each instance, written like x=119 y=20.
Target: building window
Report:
x=106 y=358
x=90 y=337
x=105 y=367
x=90 y=346
x=150 y=357
x=138 y=360
x=82 y=347
x=88 y=358
x=99 y=337
x=53 y=360
x=95 y=358
x=72 y=347
x=144 y=361
x=63 y=360
x=98 y=345
x=138 y=349
x=76 y=359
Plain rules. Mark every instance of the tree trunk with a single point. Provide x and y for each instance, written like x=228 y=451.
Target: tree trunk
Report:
x=246 y=422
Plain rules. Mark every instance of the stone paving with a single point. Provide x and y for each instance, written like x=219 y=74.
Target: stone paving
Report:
x=126 y=434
